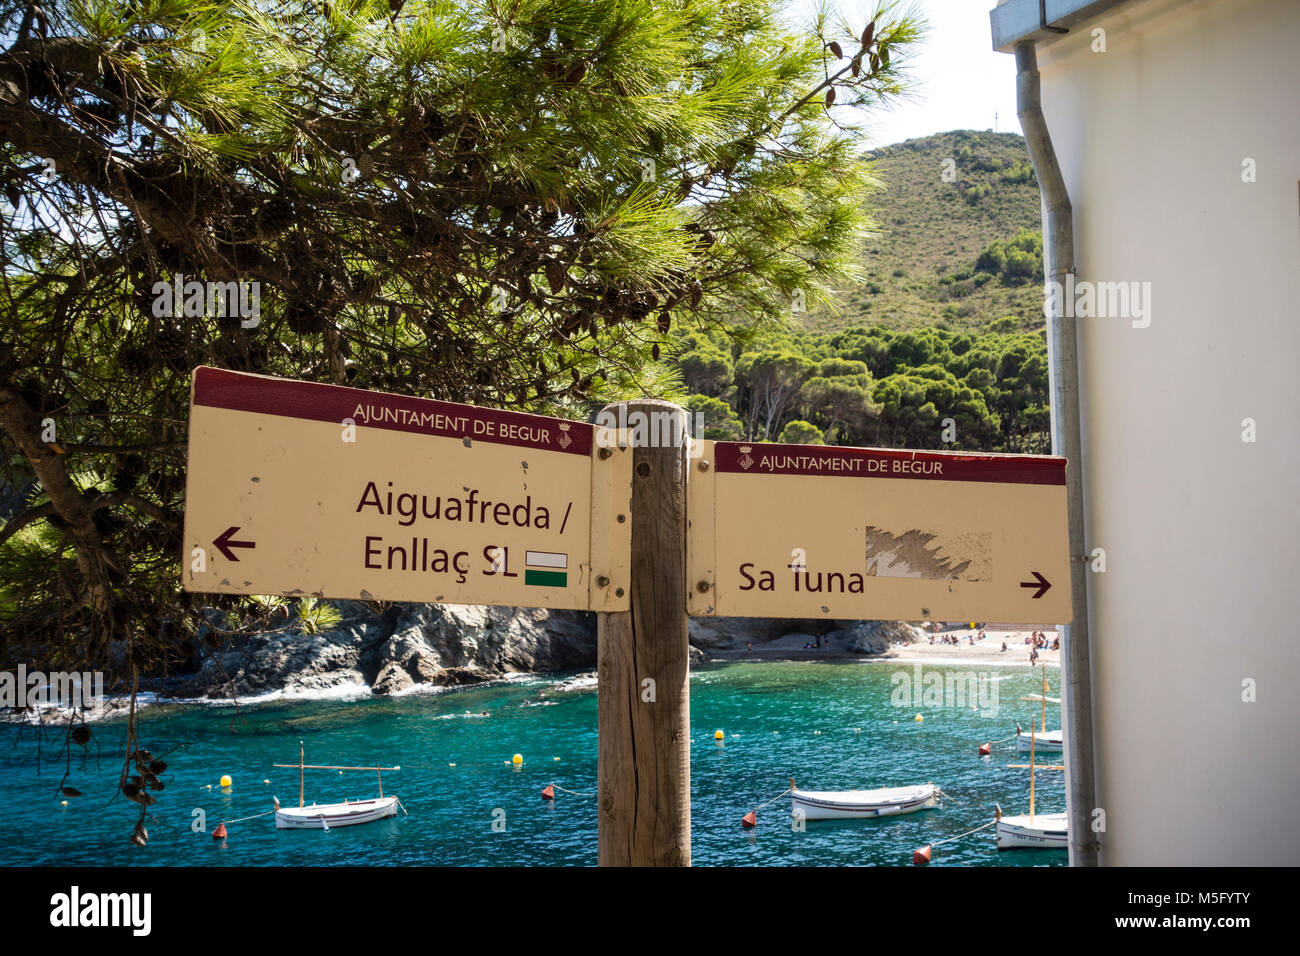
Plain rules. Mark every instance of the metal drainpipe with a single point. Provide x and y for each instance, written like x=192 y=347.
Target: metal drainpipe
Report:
x=1063 y=361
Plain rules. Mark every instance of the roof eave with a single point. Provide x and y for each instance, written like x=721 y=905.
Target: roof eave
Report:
x=1019 y=20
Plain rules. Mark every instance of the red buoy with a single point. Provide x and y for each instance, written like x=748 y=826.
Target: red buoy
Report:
x=985 y=750
x=549 y=792
x=750 y=819
x=220 y=832
x=922 y=856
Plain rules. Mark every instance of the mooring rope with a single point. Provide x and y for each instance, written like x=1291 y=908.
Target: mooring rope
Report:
x=574 y=792
x=253 y=817
x=967 y=833
x=1004 y=739
x=773 y=800
x=399 y=803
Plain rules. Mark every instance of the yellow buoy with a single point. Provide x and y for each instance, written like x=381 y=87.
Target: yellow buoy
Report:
x=266 y=781
x=718 y=735
x=918 y=718
x=555 y=758
x=226 y=781
x=63 y=803
x=517 y=759
x=451 y=765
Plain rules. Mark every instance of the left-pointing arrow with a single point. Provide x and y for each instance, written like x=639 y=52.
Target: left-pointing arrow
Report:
x=225 y=542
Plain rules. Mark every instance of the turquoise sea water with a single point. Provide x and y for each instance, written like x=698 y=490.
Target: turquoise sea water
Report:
x=831 y=725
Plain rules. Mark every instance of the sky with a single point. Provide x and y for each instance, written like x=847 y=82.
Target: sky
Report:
x=958 y=82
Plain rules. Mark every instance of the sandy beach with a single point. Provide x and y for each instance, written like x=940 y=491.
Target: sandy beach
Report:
x=985 y=652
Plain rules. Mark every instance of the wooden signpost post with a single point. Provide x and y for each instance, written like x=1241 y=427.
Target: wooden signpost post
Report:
x=320 y=490
x=642 y=663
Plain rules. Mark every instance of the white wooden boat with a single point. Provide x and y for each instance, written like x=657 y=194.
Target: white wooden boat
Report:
x=862 y=804
x=324 y=816
x=1039 y=831
x=1047 y=741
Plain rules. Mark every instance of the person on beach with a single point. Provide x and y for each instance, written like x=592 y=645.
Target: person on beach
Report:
x=749 y=648
x=1004 y=647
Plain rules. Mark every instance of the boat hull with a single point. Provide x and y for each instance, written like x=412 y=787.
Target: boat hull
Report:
x=1050 y=742
x=333 y=815
x=1049 y=831
x=863 y=804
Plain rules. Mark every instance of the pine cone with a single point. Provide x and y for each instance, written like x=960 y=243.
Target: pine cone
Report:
x=303 y=320
x=172 y=347
x=275 y=218
x=127 y=473
x=556 y=275
x=135 y=360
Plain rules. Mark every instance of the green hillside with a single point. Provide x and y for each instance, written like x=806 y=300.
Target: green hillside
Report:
x=941 y=346
x=927 y=264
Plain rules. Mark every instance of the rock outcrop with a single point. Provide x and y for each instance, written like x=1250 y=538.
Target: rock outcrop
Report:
x=406 y=645
x=428 y=644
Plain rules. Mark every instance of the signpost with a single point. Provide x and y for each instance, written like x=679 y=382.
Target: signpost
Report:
x=303 y=489
x=812 y=531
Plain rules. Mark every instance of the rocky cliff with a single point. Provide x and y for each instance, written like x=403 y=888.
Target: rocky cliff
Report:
x=412 y=644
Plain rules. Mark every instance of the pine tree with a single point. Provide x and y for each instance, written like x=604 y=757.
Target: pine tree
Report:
x=503 y=204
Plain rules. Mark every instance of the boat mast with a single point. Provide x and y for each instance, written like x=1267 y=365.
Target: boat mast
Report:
x=1043 y=725
x=1032 y=739
x=302 y=760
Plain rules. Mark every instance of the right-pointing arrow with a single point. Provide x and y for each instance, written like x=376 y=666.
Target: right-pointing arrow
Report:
x=1042 y=584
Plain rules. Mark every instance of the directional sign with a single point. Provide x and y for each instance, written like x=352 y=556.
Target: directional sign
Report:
x=302 y=489
x=813 y=531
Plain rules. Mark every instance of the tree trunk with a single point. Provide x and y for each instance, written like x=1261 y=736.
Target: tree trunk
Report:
x=95 y=561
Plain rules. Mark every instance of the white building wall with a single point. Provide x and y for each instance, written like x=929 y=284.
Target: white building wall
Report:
x=1202 y=587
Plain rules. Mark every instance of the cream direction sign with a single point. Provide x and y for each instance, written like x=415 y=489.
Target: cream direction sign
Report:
x=813 y=531
x=303 y=489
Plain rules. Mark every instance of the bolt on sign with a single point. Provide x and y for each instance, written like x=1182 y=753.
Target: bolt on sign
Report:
x=813 y=531
x=303 y=489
